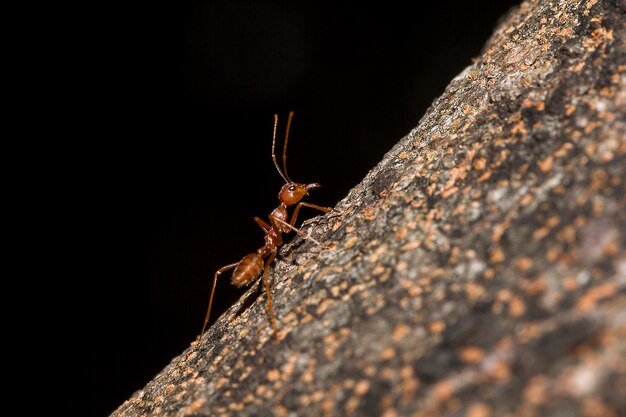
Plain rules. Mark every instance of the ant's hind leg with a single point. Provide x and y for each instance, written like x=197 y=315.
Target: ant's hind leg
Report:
x=266 y=282
x=263 y=224
x=208 y=312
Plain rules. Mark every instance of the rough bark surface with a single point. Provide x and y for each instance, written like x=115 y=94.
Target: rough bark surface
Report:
x=479 y=270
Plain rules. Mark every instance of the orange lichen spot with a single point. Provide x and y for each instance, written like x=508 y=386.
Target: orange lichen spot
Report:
x=376 y=253
x=524 y=264
x=467 y=109
x=517 y=308
x=552 y=254
x=503 y=155
x=595 y=294
x=610 y=248
x=323 y=306
x=499 y=370
x=402 y=266
x=599 y=178
x=580 y=221
x=563 y=150
x=472 y=74
x=369 y=213
x=328 y=405
x=578 y=67
x=478 y=409
x=436 y=326
x=401 y=233
x=399 y=332
x=591 y=149
x=378 y=270
x=536 y=286
x=484 y=177
x=546 y=164
x=443 y=391
x=479 y=164
x=568 y=234
x=541 y=233
x=389 y=412
x=351 y=242
x=449 y=191
x=387 y=354
x=414 y=291
x=497 y=255
x=597 y=207
x=588 y=7
x=221 y=382
x=569 y=284
x=498 y=231
x=362 y=387
x=536 y=392
x=273 y=375
x=194 y=406
x=409 y=384
x=553 y=221
x=594 y=407
x=471 y=354
x=504 y=344
x=236 y=406
x=504 y=295
x=526 y=200
x=489 y=274
x=474 y=291
x=607 y=156
x=308 y=375
x=590 y=126
x=519 y=127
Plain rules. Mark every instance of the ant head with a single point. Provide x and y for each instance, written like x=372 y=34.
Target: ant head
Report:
x=292 y=192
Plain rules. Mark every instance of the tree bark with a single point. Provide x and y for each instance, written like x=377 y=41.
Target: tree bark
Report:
x=479 y=270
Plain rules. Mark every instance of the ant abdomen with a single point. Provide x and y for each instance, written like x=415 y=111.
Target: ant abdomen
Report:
x=249 y=269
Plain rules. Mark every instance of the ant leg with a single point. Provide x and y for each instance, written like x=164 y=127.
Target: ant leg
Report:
x=263 y=224
x=208 y=312
x=266 y=282
x=294 y=216
x=298 y=231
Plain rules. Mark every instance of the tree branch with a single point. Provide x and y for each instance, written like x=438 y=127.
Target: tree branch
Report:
x=478 y=270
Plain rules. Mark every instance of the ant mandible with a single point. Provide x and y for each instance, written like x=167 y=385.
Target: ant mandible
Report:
x=250 y=267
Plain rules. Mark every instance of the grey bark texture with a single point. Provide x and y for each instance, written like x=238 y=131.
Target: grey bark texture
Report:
x=479 y=270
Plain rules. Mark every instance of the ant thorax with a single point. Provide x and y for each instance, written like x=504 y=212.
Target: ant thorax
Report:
x=280 y=215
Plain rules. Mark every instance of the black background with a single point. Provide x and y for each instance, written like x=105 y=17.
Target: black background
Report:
x=170 y=152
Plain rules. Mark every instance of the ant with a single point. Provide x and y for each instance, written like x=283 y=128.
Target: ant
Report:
x=250 y=267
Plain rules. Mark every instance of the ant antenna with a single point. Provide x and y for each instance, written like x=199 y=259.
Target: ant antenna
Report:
x=285 y=145
x=285 y=176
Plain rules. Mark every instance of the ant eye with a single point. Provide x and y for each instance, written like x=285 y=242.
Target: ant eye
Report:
x=292 y=188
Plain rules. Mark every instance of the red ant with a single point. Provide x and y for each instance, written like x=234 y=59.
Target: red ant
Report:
x=250 y=267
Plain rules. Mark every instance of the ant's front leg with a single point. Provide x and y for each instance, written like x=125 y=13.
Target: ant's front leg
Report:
x=294 y=216
x=275 y=220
